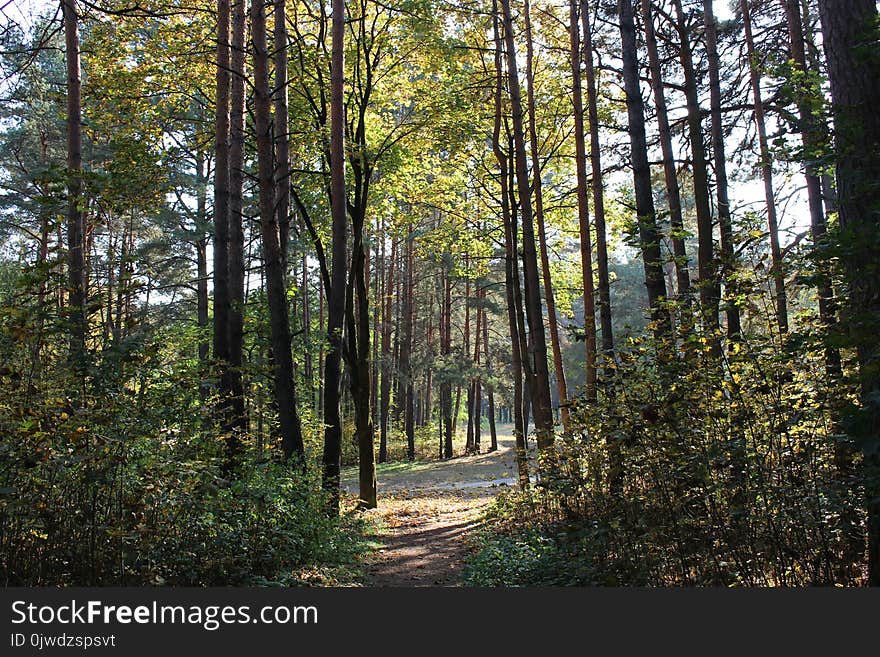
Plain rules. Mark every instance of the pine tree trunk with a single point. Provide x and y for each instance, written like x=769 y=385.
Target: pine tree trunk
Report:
x=728 y=256
x=603 y=275
x=814 y=138
x=446 y=349
x=220 y=244
x=336 y=295
x=849 y=27
x=552 y=322
x=282 y=133
x=540 y=381
x=232 y=375
x=583 y=202
x=673 y=191
x=387 y=357
x=649 y=235
x=766 y=172
x=707 y=269
x=285 y=397
x=510 y=275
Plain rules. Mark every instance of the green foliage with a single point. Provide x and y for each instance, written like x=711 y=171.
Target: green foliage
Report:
x=120 y=479
x=736 y=473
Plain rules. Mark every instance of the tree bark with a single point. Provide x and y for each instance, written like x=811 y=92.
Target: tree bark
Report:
x=766 y=172
x=285 y=397
x=603 y=275
x=552 y=322
x=849 y=29
x=336 y=296
x=540 y=382
x=221 y=193
x=649 y=235
x=282 y=133
x=232 y=375
x=707 y=269
x=728 y=254
x=583 y=202
x=814 y=137
x=670 y=172
x=510 y=274
x=387 y=357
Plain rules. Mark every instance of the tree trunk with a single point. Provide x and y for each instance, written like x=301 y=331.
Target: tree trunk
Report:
x=221 y=195
x=76 y=263
x=387 y=358
x=232 y=375
x=406 y=372
x=673 y=192
x=549 y=297
x=707 y=270
x=285 y=398
x=336 y=296
x=446 y=350
x=282 y=133
x=602 y=272
x=490 y=391
x=814 y=138
x=848 y=27
x=583 y=202
x=201 y=261
x=728 y=255
x=766 y=173
x=510 y=274
x=540 y=382
x=649 y=236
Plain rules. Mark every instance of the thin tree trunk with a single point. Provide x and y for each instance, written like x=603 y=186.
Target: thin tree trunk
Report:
x=406 y=372
x=604 y=278
x=285 y=398
x=76 y=264
x=673 y=192
x=586 y=247
x=549 y=297
x=490 y=388
x=201 y=261
x=540 y=383
x=336 y=297
x=766 y=172
x=237 y=419
x=282 y=133
x=728 y=254
x=649 y=235
x=510 y=275
x=387 y=358
x=446 y=349
x=707 y=269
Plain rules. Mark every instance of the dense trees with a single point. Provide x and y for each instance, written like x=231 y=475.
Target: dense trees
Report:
x=620 y=228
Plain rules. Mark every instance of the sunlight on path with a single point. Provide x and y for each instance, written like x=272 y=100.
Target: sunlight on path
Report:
x=428 y=512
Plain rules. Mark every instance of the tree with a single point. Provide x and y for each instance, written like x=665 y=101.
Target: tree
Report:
x=282 y=357
x=336 y=291
x=848 y=27
x=76 y=263
x=537 y=368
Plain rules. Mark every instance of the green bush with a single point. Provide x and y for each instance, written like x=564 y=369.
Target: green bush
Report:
x=689 y=471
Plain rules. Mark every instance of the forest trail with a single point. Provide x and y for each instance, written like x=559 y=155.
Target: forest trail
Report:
x=428 y=513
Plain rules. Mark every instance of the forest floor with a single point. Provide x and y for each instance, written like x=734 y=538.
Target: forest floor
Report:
x=429 y=512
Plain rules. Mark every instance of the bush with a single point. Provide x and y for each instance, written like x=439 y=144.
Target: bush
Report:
x=694 y=472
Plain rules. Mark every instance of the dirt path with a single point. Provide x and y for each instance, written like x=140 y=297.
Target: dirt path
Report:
x=428 y=513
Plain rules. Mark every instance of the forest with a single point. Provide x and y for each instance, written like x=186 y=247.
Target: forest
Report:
x=440 y=292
